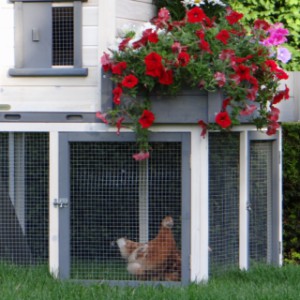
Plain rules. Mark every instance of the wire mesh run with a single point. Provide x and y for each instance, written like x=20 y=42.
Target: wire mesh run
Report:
x=125 y=216
x=261 y=201
x=223 y=201
x=62 y=36
x=24 y=170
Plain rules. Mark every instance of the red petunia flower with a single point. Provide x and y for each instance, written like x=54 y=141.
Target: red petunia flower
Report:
x=117 y=92
x=261 y=25
x=281 y=75
x=147 y=118
x=195 y=15
x=234 y=17
x=153 y=37
x=223 y=36
x=130 y=81
x=203 y=125
x=119 y=68
x=153 y=64
x=166 y=77
x=200 y=34
x=183 y=58
x=225 y=103
x=223 y=119
x=271 y=64
x=102 y=117
x=243 y=72
x=272 y=128
x=204 y=45
x=124 y=43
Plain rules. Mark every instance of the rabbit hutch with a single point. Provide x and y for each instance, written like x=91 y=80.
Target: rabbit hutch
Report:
x=72 y=197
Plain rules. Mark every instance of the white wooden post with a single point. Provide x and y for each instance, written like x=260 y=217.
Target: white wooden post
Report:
x=244 y=201
x=53 y=211
x=17 y=175
x=280 y=199
x=199 y=208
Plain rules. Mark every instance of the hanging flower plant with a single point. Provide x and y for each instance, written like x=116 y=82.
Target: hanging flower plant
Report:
x=205 y=50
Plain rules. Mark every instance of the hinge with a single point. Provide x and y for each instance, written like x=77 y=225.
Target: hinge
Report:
x=61 y=202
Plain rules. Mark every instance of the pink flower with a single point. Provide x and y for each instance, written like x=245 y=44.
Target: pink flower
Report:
x=163 y=15
x=227 y=54
x=119 y=124
x=248 y=110
x=141 y=156
x=277 y=35
x=220 y=78
x=106 y=62
x=102 y=117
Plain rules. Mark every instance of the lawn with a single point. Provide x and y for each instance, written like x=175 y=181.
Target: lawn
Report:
x=263 y=282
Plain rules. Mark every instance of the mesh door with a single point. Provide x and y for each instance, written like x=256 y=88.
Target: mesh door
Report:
x=24 y=197
x=260 y=200
x=223 y=201
x=117 y=203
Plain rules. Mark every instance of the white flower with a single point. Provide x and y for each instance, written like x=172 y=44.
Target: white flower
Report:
x=202 y=2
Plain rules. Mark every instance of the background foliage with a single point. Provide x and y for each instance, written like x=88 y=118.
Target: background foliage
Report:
x=284 y=11
x=291 y=188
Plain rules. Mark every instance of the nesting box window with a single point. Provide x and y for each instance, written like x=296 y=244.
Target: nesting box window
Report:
x=63 y=36
x=48 y=39
x=24 y=198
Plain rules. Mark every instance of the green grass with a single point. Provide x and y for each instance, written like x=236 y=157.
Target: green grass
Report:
x=17 y=283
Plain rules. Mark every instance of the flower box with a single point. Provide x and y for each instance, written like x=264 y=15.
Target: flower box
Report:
x=187 y=107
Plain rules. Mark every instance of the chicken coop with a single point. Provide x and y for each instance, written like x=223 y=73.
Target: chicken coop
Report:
x=77 y=201
x=72 y=197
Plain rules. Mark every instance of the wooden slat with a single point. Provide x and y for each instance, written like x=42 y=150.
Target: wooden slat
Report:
x=133 y=10
x=50 y=98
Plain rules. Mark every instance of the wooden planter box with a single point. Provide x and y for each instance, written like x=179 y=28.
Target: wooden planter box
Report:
x=188 y=107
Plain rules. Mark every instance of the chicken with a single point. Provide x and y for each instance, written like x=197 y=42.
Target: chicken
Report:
x=158 y=259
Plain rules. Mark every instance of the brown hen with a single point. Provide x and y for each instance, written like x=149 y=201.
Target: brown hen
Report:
x=158 y=259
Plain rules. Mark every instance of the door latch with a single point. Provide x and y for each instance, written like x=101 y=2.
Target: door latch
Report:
x=61 y=202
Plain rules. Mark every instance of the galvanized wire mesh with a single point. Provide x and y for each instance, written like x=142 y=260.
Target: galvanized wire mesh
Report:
x=223 y=201
x=115 y=199
x=62 y=36
x=260 y=227
x=24 y=172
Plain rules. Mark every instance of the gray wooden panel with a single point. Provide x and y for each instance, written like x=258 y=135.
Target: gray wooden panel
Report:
x=37 y=35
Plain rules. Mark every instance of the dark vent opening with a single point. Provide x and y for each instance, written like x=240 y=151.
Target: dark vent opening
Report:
x=63 y=36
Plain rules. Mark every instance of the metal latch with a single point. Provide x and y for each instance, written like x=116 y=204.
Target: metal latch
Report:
x=61 y=202
x=249 y=206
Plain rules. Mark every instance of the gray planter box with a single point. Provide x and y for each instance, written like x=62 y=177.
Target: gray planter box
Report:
x=188 y=107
